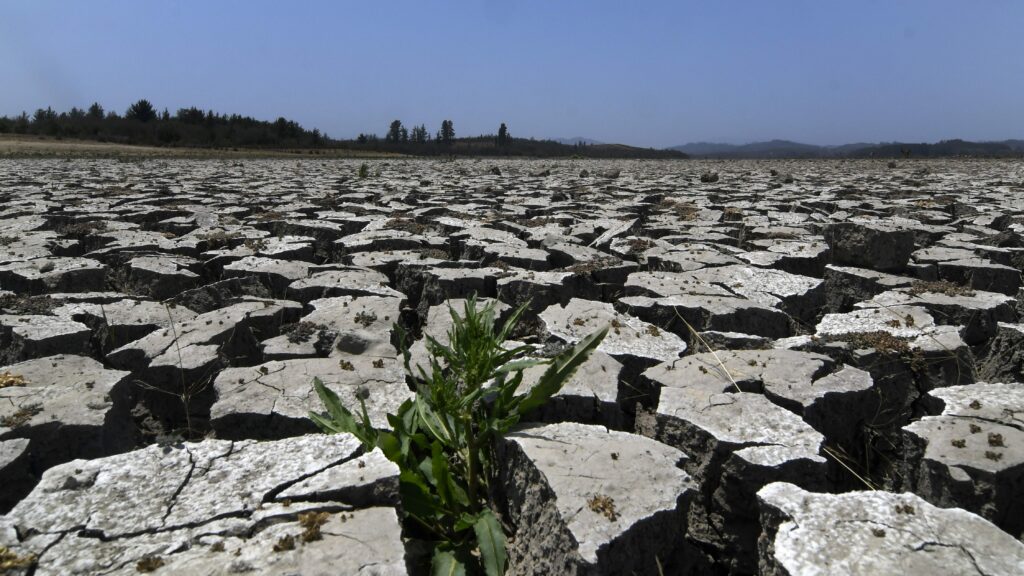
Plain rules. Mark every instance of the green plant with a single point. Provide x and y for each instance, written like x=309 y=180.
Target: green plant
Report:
x=364 y=170
x=443 y=439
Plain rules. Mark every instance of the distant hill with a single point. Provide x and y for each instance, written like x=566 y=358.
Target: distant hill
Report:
x=945 y=148
x=770 y=149
x=531 y=147
x=789 y=149
x=576 y=140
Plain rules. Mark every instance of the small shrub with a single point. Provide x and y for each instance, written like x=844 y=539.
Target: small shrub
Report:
x=364 y=170
x=9 y=380
x=21 y=416
x=365 y=319
x=311 y=523
x=9 y=560
x=443 y=440
x=149 y=564
x=603 y=505
x=285 y=543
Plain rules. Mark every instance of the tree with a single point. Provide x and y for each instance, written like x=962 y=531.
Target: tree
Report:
x=142 y=111
x=362 y=139
x=21 y=123
x=41 y=116
x=447 y=133
x=419 y=134
x=193 y=115
x=96 y=111
x=404 y=134
x=394 y=134
x=503 y=138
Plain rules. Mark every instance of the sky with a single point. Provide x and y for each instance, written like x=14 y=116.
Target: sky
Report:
x=656 y=73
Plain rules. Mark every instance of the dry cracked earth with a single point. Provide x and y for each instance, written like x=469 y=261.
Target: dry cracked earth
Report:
x=813 y=367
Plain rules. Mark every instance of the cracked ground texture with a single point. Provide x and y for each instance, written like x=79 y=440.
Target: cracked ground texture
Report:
x=778 y=344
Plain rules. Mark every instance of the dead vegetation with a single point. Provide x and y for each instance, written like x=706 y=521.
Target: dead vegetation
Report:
x=939 y=287
x=311 y=523
x=406 y=225
x=880 y=340
x=10 y=380
x=10 y=560
x=300 y=332
x=603 y=505
x=592 y=266
x=686 y=211
x=21 y=416
x=82 y=229
x=149 y=564
x=25 y=304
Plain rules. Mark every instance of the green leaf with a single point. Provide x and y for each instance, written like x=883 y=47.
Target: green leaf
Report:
x=341 y=420
x=517 y=365
x=326 y=424
x=510 y=324
x=406 y=353
x=561 y=369
x=427 y=471
x=491 y=541
x=391 y=446
x=416 y=499
x=432 y=422
x=444 y=563
x=439 y=471
x=332 y=403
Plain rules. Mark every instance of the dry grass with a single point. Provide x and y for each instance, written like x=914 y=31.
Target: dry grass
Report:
x=8 y=380
x=25 y=146
x=883 y=342
x=311 y=523
x=684 y=210
x=603 y=505
x=939 y=287
x=9 y=560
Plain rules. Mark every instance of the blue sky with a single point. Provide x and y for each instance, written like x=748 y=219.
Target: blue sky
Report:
x=642 y=73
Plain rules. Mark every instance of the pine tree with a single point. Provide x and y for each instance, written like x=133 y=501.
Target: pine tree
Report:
x=447 y=133
x=394 y=132
x=142 y=111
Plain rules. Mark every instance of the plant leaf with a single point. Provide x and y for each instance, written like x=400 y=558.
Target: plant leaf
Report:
x=444 y=563
x=561 y=369
x=331 y=402
x=439 y=472
x=390 y=445
x=432 y=422
x=510 y=324
x=416 y=498
x=341 y=420
x=491 y=540
x=522 y=364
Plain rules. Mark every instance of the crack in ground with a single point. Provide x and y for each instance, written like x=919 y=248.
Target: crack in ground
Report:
x=961 y=547
x=1013 y=424
x=209 y=463
x=269 y=495
x=174 y=497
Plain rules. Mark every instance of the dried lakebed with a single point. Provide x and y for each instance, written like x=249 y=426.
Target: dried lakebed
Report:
x=813 y=367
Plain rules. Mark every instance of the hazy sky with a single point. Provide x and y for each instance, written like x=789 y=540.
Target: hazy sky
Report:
x=643 y=73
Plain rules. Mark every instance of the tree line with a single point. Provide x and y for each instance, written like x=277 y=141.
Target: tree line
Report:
x=142 y=124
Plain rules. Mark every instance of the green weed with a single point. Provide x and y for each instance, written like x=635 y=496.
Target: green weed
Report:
x=443 y=440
